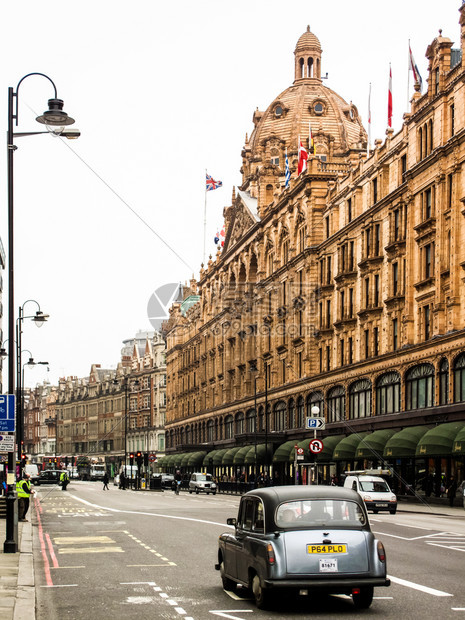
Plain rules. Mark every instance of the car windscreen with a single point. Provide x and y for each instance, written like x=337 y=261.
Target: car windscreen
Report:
x=203 y=477
x=374 y=486
x=320 y=512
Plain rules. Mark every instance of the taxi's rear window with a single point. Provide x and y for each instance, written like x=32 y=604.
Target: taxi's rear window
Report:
x=319 y=513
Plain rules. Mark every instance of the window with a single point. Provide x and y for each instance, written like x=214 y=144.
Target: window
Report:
x=342 y=307
x=376 y=291
x=360 y=399
x=396 y=224
x=275 y=160
x=459 y=379
x=450 y=188
x=349 y=210
x=367 y=344
x=367 y=292
x=426 y=322
x=229 y=427
x=403 y=167
x=436 y=81
x=300 y=412
x=280 y=416
x=351 y=350
x=302 y=237
x=239 y=423
x=375 y=341
x=375 y=190
x=395 y=278
x=341 y=351
x=278 y=111
x=444 y=382
x=351 y=303
x=419 y=387
x=377 y=239
x=327 y=227
x=395 y=335
x=388 y=393
x=318 y=108
x=336 y=404
x=328 y=358
x=427 y=204
x=250 y=421
x=452 y=119
x=427 y=265
x=328 y=313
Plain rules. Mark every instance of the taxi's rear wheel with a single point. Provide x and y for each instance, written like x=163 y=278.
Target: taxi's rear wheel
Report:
x=262 y=596
x=364 y=599
x=228 y=584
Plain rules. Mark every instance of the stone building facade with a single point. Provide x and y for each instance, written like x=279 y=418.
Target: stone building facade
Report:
x=342 y=293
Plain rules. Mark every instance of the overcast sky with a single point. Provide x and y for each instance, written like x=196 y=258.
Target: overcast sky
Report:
x=161 y=91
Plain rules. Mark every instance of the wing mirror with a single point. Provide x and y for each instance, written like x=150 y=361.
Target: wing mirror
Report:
x=231 y=521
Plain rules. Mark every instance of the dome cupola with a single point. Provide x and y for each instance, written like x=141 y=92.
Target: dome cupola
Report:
x=307 y=57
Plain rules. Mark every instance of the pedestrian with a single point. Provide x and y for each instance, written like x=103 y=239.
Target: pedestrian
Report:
x=106 y=480
x=24 y=491
x=122 y=480
x=64 y=480
x=461 y=490
x=452 y=490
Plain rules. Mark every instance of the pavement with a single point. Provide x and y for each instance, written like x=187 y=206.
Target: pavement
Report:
x=17 y=576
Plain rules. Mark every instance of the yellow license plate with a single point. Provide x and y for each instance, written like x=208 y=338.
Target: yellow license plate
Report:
x=326 y=548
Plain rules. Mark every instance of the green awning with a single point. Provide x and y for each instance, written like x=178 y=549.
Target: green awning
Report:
x=372 y=446
x=218 y=458
x=404 y=443
x=210 y=455
x=439 y=441
x=177 y=459
x=285 y=452
x=250 y=456
x=196 y=459
x=228 y=456
x=329 y=443
x=458 y=449
x=185 y=459
x=345 y=449
x=240 y=455
x=167 y=460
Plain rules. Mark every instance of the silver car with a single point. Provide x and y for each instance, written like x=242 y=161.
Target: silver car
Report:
x=202 y=483
x=303 y=539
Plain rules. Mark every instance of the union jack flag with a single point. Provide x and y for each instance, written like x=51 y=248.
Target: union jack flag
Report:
x=211 y=184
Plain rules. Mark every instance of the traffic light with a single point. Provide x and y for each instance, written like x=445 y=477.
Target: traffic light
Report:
x=131 y=459
x=139 y=459
x=146 y=459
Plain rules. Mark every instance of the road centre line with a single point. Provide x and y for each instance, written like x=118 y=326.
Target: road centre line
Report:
x=411 y=538
x=151 y=514
x=417 y=586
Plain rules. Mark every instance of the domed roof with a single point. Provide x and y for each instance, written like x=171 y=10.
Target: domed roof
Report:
x=335 y=124
x=308 y=39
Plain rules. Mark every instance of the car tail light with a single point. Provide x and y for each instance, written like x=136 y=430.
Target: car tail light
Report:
x=270 y=554
x=381 y=552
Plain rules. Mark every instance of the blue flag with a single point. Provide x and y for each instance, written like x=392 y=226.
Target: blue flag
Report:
x=287 y=173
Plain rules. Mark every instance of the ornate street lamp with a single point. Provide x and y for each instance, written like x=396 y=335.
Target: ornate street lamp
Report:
x=55 y=116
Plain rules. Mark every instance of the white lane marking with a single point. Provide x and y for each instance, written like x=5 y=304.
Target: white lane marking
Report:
x=458 y=608
x=417 y=586
x=137 y=583
x=225 y=613
x=180 y=611
x=152 y=514
x=68 y=585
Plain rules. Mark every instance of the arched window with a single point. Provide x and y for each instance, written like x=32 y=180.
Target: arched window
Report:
x=229 y=427
x=315 y=399
x=459 y=378
x=388 y=393
x=269 y=194
x=210 y=431
x=250 y=421
x=291 y=412
x=360 y=399
x=300 y=412
x=336 y=404
x=188 y=435
x=280 y=416
x=444 y=381
x=419 y=386
x=239 y=423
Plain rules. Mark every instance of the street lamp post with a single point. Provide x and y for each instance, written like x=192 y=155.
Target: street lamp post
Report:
x=55 y=117
x=315 y=413
x=30 y=364
x=266 y=422
x=39 y=318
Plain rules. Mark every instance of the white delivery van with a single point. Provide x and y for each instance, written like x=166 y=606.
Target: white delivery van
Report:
x=373 y=489
x=97 y=472
x=32 y=470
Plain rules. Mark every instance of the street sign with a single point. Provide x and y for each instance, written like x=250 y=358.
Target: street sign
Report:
x=152 y=458
x=7 y=443
x=316 y=446
x=7 y=413
x=315 y=423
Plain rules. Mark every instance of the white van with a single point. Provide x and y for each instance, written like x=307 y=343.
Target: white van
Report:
x=374 y=491
x=32 y=470
x=97 y=472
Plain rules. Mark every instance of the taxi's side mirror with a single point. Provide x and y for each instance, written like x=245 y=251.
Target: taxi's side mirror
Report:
x=231 y=521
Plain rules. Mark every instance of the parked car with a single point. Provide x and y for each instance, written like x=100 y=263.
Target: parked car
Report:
x=374 y=491
x=302 y=539
x=166 y=480
x=202 y=483
x=49 y=476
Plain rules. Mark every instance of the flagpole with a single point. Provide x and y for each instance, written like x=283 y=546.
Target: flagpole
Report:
x=408 y=75
x=369 y=122
x=205 y=220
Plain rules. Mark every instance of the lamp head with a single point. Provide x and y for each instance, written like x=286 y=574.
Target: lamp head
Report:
x=55 y=115
x=40 y=318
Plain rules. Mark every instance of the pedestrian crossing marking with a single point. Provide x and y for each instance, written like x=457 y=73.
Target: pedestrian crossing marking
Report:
x=75 y=540
x=74 y=550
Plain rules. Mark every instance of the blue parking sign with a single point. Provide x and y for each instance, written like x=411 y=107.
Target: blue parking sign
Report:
x=7 y=413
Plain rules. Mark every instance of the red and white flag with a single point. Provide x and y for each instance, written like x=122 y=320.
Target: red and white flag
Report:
x=303 y=156
x=390 y=98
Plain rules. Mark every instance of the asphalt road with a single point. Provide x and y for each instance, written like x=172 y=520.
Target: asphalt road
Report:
x=124 y=554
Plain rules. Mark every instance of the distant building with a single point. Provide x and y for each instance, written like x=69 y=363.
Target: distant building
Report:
x=340 y=296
